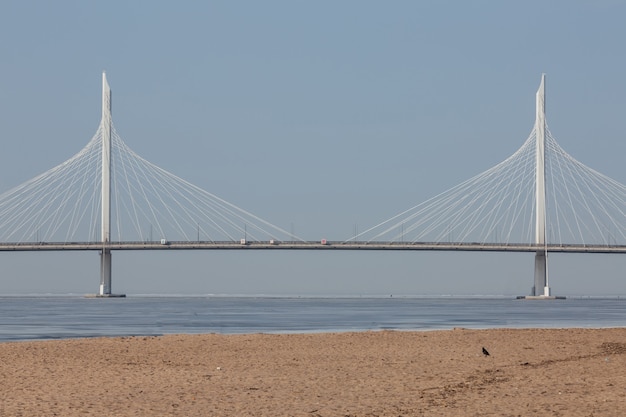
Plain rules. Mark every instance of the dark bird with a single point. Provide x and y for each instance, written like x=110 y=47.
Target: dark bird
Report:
x=485 y=352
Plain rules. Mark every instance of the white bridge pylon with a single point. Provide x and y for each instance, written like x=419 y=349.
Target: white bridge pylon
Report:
x=105 y=235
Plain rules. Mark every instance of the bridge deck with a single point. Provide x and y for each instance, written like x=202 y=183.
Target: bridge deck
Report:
x=310 y=245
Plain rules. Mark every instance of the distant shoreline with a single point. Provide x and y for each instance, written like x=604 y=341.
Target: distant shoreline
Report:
x=312 y=296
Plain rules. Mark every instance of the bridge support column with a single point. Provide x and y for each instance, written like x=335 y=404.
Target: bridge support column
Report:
x=105 y=273
x=105 y=276
x=541 y=275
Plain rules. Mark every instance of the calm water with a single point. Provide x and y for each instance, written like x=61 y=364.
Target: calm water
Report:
x=27 y=318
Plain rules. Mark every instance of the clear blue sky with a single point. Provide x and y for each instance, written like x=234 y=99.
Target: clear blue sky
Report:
x=324 y=116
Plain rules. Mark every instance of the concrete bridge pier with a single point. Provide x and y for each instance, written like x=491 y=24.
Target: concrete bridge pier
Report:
x=105 y=275
x=541 y=287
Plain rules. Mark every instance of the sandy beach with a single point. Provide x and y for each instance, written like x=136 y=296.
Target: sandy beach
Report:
x=555 y=372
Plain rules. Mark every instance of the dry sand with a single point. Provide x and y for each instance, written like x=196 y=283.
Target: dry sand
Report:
x=552 y=372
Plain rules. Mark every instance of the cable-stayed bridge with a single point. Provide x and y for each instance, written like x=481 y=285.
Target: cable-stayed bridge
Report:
x=106 y=198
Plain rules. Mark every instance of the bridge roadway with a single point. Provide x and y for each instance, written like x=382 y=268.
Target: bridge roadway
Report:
x=308 y=245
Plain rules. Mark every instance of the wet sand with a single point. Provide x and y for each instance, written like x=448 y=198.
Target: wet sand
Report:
x=551 y=372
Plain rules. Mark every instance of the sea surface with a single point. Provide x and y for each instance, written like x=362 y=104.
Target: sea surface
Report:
x=62 y=317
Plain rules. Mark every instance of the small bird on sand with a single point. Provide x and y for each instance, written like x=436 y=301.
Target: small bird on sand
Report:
x=485 y=352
